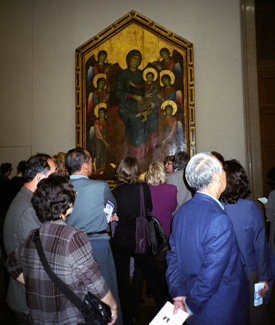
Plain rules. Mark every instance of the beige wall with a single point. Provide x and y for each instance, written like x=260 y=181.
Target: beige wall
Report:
x=38 y=42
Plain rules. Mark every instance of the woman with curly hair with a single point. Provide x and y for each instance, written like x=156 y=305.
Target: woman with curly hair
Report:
x=68 y=252
x=249 y=228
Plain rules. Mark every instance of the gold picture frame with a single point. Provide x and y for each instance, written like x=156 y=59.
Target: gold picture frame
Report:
x=134 y=94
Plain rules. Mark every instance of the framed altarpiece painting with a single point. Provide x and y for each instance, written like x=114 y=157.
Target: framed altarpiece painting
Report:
x=134 y=94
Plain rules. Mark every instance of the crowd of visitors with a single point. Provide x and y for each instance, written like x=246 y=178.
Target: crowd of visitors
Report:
x=218 y=249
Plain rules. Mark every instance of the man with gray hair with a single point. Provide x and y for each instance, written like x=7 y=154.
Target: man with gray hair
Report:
x=205 y=275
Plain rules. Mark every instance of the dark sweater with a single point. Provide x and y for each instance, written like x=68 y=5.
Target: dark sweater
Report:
x=128 y=209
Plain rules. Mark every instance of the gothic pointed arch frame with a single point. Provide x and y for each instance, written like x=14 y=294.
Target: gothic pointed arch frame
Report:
x=134 y=94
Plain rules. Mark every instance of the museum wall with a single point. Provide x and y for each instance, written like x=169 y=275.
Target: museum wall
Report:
x=37 y=55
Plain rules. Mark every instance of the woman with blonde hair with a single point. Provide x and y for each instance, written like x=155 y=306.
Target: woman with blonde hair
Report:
x=164 y=196
x=59 y=159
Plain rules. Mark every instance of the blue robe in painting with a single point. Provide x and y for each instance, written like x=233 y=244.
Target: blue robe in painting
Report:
x=137 y=130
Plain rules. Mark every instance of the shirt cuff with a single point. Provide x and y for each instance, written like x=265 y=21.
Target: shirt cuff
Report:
x=188 y=309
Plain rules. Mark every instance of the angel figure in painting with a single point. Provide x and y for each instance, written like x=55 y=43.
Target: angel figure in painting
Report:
x=168 y=62
x=99 y=66
x=168 y=91
x=98 y=138
x=171 y=130
x=100 y=94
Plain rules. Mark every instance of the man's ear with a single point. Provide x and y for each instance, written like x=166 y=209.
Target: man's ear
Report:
x=39 y=176
x=216 y=178
x=85 y=166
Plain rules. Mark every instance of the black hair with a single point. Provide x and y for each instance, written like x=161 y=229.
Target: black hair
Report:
x=75 y=158
x=271 y=177
x=237 y=185
x=164 y=49
x=165 y=75
x=21 y=167
x=218 y=155
x=36 y=164
x=131 y=54
x=6 y=167
x=100 y=79
x=102 y=52
x=169 y=158
x=54 y=196
x=181 y=160
x=101 y=110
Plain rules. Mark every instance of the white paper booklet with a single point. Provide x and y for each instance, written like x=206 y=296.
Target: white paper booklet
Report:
x=166 y=317
x=108 y=210
x=263 y=200
x=258 y=300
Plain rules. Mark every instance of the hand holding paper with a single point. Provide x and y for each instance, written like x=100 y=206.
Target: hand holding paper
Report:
x=166 y=316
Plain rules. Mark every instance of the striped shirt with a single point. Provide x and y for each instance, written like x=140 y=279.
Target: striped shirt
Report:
x=68 y=252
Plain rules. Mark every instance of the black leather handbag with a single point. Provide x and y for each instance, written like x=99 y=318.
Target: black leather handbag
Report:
x=159 y=243
x=94 y=311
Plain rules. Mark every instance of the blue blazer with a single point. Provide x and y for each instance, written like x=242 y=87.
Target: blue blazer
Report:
x=204 y=264
x=248 y=224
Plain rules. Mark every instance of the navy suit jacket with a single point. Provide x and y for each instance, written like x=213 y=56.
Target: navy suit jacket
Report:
x=204 y=264
x=248 y=224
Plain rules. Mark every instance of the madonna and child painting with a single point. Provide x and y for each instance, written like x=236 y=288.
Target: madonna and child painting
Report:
x=135 y=94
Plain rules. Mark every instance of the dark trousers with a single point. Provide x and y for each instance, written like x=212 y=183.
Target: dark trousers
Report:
x=22 y=318
x=150 y=271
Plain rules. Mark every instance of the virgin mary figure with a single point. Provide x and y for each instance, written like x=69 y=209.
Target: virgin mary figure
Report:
x=140 y=132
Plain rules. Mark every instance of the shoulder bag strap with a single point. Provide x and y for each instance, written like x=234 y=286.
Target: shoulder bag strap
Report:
x=142 y=206
x=61 y=285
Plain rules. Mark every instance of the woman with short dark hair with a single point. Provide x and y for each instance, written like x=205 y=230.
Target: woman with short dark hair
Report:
x=249 y=228
x=68 y=252
x=169 y=164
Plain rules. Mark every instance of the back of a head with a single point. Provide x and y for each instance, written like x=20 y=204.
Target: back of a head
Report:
x=218 y=156
x=181 y=160
x=36 y=164
x=128 y=170
x=169 y=158
x=21 y=167
x=271 y=177
x=54 y=196
x=6 y=168
x=200 y=170
x=237 y=185
x=75 y=158
x=156 y=173
x=59 y=159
